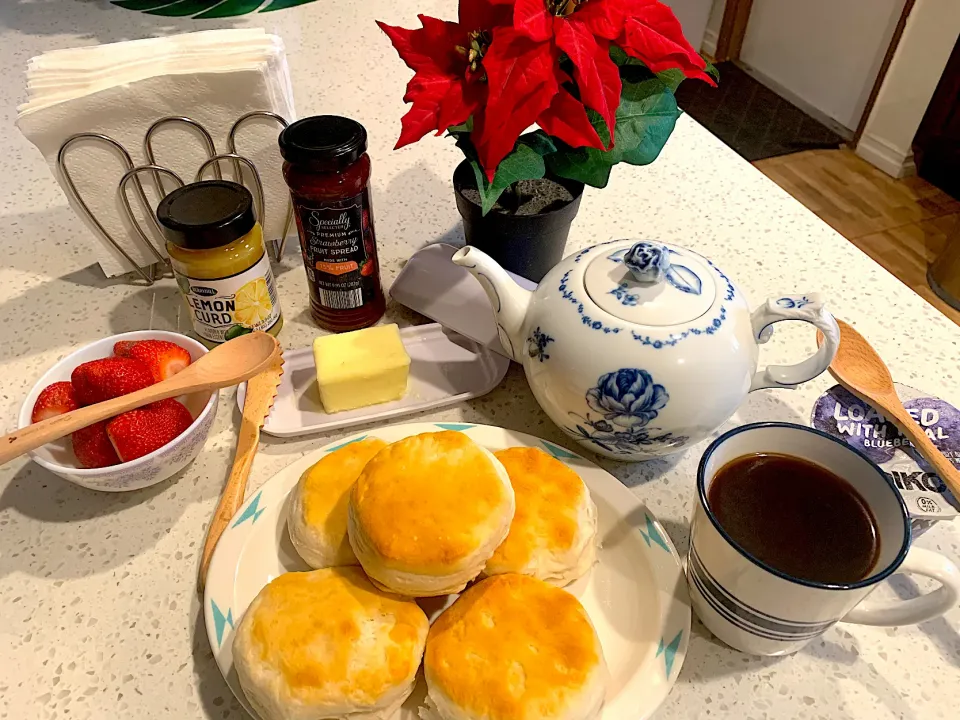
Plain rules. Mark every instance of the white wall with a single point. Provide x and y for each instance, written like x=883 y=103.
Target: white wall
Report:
x=692 y=15
x=825 y=53
x=712 y=32
x=928 y=39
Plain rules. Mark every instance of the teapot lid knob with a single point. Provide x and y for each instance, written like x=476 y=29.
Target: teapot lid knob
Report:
x=648 y=262
x=649 y=283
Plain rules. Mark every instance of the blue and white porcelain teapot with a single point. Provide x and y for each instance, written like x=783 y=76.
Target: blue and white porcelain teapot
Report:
x=638 y=349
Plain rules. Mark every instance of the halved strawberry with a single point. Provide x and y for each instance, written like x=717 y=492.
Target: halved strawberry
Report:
x=54 y=400
x=141 y=431
x=165 y=359
x=104 y=379
x=92 y=446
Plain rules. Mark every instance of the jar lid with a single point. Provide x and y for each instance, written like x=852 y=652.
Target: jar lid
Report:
x=207 y=214
x=647 y=283
x=324 y=142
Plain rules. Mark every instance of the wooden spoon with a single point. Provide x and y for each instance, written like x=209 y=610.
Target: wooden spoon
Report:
x=861 y=371
x=228 y=364
x=261 y=391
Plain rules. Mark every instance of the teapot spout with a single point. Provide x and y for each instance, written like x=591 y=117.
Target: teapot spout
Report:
x=508 y=300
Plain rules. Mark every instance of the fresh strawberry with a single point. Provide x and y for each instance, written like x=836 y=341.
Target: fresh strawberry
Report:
x=165 y=359
x=54 y=400
x=122 y=348
x=92 y=447
x=141 y=431
x=100 y=380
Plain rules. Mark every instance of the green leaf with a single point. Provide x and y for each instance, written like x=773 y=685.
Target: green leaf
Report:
x=231 y=8
x=143 y=5
x=283 y=4
x=464 y=127
x=581 y=164
x=183 y=8
x=539 y=141
x=236 y=331
x=203 y=9
x=647 y=115
x=672 y=78
x=524 y=163
x=621 y=58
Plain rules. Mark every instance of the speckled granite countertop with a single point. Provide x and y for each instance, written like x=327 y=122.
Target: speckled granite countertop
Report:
x=99 y=613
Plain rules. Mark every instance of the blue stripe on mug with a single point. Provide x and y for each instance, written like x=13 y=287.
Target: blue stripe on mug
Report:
x=742 y=615
x=732 y=619
x=791 y=625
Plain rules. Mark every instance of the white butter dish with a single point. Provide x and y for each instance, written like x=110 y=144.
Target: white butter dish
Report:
x=445 y=368
x=446 y=293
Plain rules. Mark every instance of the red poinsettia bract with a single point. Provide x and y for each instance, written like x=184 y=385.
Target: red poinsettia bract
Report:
x=500 y=64
x=448 y=85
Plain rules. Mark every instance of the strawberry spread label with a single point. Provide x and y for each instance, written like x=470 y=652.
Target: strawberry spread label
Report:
x=339 y=251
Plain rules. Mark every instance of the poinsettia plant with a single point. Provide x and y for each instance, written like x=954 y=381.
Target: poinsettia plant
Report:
x=596 y=76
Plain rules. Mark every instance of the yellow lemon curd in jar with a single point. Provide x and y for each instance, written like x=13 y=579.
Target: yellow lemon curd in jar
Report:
x=253 y=299
x=220 y=261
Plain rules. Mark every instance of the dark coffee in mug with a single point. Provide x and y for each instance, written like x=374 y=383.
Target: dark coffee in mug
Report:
x=796 y=517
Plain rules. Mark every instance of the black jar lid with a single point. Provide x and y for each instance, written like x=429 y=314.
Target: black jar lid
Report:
x=207 y=214
x=323 y=142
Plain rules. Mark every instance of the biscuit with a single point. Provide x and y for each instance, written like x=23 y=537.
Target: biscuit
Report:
x=427 y=512
x=514 y=648
x=553 y=536
x=317 y=520
x=327 y=644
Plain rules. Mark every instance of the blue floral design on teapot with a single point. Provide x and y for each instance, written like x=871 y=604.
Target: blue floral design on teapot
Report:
x=628 y=397
x=627 y=401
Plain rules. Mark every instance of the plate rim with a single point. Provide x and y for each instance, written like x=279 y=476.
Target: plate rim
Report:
x=673 y=644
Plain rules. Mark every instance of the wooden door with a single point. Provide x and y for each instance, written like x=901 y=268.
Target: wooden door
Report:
x=937 y=144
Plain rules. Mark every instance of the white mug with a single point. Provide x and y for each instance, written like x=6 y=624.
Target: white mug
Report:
x=758 y=609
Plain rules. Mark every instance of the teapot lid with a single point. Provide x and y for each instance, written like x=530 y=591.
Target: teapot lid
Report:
x=647 y=283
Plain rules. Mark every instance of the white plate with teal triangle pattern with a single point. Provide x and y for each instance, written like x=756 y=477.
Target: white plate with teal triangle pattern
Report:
x=636 y=594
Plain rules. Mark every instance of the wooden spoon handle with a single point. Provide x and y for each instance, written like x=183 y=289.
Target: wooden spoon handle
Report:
x=909 y=427
x=232 y=497
x=33 y=436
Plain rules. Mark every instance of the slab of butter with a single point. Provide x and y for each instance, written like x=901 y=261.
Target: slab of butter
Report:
x=360 y=368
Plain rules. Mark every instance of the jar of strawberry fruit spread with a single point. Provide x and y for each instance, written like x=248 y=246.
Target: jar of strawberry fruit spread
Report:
x=327 y=169
x=216 y=248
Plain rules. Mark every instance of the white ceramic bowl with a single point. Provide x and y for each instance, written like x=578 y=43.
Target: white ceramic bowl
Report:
x=58 y=457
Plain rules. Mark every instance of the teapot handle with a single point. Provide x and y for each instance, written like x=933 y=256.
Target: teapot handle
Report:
x=807 y=308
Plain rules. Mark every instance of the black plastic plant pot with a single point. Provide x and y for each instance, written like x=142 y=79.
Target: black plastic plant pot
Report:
x=527 y=245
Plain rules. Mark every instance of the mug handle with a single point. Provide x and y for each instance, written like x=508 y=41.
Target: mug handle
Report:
x=920 y=609
x=807 y=308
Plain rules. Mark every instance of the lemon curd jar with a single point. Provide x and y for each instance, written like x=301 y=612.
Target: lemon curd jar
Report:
x=220 y=261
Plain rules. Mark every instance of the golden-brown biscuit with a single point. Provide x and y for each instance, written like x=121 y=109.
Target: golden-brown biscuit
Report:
x=427 y=512
x=317 y=522
x=553 y=536
x=514 y=648
x=328 y=644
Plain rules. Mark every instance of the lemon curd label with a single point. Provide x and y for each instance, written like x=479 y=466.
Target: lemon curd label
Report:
x=223 y=308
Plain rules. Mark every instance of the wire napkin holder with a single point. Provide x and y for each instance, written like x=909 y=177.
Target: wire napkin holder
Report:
x=159 y=173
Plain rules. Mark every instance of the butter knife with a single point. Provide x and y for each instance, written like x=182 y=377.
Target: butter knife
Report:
x=261 y=392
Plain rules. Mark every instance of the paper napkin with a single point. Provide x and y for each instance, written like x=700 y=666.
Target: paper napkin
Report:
x=119 y=90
